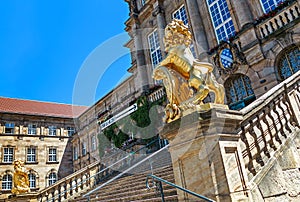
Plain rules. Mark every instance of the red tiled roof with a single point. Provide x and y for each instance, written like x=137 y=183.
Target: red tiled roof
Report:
x=12 y=105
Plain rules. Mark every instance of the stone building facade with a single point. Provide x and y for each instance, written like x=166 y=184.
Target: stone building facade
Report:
x=37 y=133
x=253 y=44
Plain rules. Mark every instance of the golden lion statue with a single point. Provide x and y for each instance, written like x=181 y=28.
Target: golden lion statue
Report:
x=186 y=79
x=21 y=181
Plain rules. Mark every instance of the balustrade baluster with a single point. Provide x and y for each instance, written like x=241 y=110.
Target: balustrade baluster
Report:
x=257 y=156
x=266 y=113
x=259 y=126
x=287 y=127
x=292 y=14
x=287 y=17
x=279 y=119
x=293 y=119
x=244 y=139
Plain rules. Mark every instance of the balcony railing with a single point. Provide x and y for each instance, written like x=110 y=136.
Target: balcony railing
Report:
x=279 y=20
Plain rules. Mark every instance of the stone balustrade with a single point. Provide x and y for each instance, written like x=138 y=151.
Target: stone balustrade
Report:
x=156 y=95
x=281 y=19
x=268 y=121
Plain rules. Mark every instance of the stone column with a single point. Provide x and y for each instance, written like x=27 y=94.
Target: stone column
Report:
x=206 y=155
x=141 y=80
x=243 y=12
x=159 y=13
x=197 y=29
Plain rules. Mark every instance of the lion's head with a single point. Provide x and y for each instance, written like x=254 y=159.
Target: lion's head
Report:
x=177 y=33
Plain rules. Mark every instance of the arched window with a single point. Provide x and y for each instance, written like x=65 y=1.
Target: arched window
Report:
x=269 y=5
x=7 y=182
x=221 y=19
x=52 y=178
x=239 y=92
x=289 y=63
x=32 y=180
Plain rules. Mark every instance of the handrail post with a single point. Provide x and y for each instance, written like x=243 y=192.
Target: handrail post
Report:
x=160 y=187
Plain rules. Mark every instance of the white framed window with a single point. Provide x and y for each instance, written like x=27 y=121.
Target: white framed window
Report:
x=7 y=182
x=8 y=154
x=269 y=5
x=155 y=52
x=32 y=180
x=83 y=149
x=9 y=128
x=52 y=155
x=52 y=178
x=180 y=14
x=71 y=131
x=31 y=155
x=75 y=152
x=32 y=129
x=221 y=19
x=52 y=130
x=94 y=143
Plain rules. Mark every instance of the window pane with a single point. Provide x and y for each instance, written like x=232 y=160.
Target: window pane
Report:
x=32 y=180
x=289 y=63
x=154 y=46
x=7 y=182
x=221 y=19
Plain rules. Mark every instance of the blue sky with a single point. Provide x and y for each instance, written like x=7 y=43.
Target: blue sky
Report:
x=44 y=45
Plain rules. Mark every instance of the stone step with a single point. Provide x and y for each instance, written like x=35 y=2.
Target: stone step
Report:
x=140 y=196
x=126 y=191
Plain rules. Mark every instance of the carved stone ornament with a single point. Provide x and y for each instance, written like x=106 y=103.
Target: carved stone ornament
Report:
x=186 y=79
x=228 y=58
x=21 y=181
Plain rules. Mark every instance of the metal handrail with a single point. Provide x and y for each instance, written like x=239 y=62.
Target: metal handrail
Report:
x=160 y=180
x=87 y=195
x=101 y=171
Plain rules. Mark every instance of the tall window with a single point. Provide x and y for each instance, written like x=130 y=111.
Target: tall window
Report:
x=269 y=5
x=71 y=131
x=52 y=178
x=239 y=92
x=52 y=155
x=7 y=182
x=221 y=19
x=8 y=154
x=94 y=143
x=32 y=129
x=32 y=180
x=289 y=63
x=52 y=130
x=75 y=152
x=9 y=128
x=83 y=149
x=180 y=14
x=31 y=154
x=155 y=51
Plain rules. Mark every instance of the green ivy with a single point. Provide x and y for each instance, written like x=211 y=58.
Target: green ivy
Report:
x=138 y=119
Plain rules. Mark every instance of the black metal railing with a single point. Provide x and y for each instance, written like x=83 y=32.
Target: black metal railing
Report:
x=157 y=183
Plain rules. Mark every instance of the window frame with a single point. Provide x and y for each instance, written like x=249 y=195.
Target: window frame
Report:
x=32 y=130
x=52 y=157
x=52 y=130
x=71 y=130
x=52 y=180
x=276 y=3
x=32 y=181
x=28 y=155
x=8 y=154
x=223 y=23
x=12 y=127
x=155 y=60
x=7 y=182
x=94 y=142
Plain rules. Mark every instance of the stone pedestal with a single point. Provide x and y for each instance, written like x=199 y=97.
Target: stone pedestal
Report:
x=29 y=197
x=206 y=155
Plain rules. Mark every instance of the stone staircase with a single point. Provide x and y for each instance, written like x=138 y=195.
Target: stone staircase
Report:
x=132 y=185
x=133 y=188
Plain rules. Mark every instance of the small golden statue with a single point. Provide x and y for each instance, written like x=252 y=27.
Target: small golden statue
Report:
x=21 y=181
x=187 y=80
